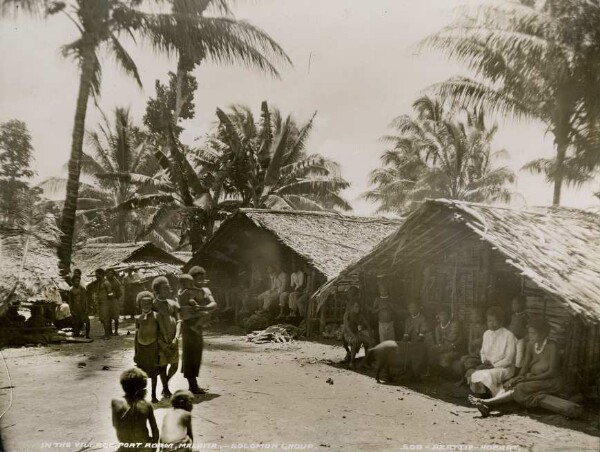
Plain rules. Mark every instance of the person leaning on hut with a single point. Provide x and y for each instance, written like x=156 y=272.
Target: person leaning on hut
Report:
x=169 y=325
x=79 y=307
x=539 y=375
x=497 y=356
x=382 y=307
x=193 y=320
x=477 y=326
x=447 y=340
x=518 y=327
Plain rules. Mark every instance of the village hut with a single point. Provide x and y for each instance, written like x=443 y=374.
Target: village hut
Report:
x=144 y=258
x=135 y=263
x=29 y=266
x=463 y=255
x=322 y=242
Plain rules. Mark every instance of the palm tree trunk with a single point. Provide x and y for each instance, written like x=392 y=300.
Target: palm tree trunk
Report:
x=561 y=152
x=67 y=225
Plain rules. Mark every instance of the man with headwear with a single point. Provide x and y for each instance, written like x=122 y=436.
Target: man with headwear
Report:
x=170 y=331
x=498 y=352
x=192 y=340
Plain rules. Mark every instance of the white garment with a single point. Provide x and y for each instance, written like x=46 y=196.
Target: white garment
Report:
x=63 y=312
x=282 y=282
x=520 y=354
x=499 y=348
x=297 y=279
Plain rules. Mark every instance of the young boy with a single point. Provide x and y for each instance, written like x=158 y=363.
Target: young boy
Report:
x=146 y=339
x=176 y=431
x=169 y=324
x=132 y=414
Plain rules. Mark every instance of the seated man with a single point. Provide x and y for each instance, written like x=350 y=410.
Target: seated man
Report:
x=271 y=295
x=447 y=339
x=497 y=356
x=472 y=359
x=37 y=319
x=283 y=291
x=413 y=347
x=63 y=317
x=297 y=291
x=355 y=329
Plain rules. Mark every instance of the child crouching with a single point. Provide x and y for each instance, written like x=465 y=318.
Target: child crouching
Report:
x=176 y=431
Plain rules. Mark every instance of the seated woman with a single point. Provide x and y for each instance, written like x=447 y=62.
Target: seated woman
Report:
x=497 y=356
x=538 y=375
x=447 y=339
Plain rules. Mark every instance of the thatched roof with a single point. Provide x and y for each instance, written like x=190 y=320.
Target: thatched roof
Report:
x=556 y=248
x=39 y=278
x=123 y=256
x=328 y=241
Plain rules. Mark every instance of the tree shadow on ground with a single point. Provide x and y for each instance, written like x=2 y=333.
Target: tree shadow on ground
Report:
x=437 y=388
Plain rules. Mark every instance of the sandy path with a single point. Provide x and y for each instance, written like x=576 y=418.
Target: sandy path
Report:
x=269 y=394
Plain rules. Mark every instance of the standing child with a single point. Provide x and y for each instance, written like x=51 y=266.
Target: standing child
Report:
x=176 y=431
x=169 y=331
x=132 y=414
x=146 y=339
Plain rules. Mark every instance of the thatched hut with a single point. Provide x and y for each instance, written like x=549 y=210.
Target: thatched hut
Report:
x=30 y=260
x=325 y=242
x=145 y=258
x=463 y=255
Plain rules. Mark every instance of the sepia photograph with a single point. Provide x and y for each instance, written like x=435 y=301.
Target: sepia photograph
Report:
x=299 y=225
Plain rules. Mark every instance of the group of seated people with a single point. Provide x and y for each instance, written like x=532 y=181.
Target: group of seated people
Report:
x=499 y=364
x=279 y=293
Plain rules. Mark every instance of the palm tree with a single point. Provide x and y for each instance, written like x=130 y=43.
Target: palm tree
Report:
x=100 y=22
x=537 y=60
x=436 y=156
x=264 y=163
x=120 y=163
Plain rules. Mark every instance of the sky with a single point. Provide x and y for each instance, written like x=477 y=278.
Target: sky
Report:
x=354 y=63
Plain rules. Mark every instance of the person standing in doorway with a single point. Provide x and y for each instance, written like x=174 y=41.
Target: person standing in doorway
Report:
x=191 y=330
x=383 y=308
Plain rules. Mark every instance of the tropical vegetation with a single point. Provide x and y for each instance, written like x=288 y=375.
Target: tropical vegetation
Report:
x=536 y=60
x=436 y=155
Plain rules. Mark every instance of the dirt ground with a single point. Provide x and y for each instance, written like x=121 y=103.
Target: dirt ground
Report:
x=262 y=395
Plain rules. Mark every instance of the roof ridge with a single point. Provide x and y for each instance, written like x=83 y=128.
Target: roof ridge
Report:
x=323 y=214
